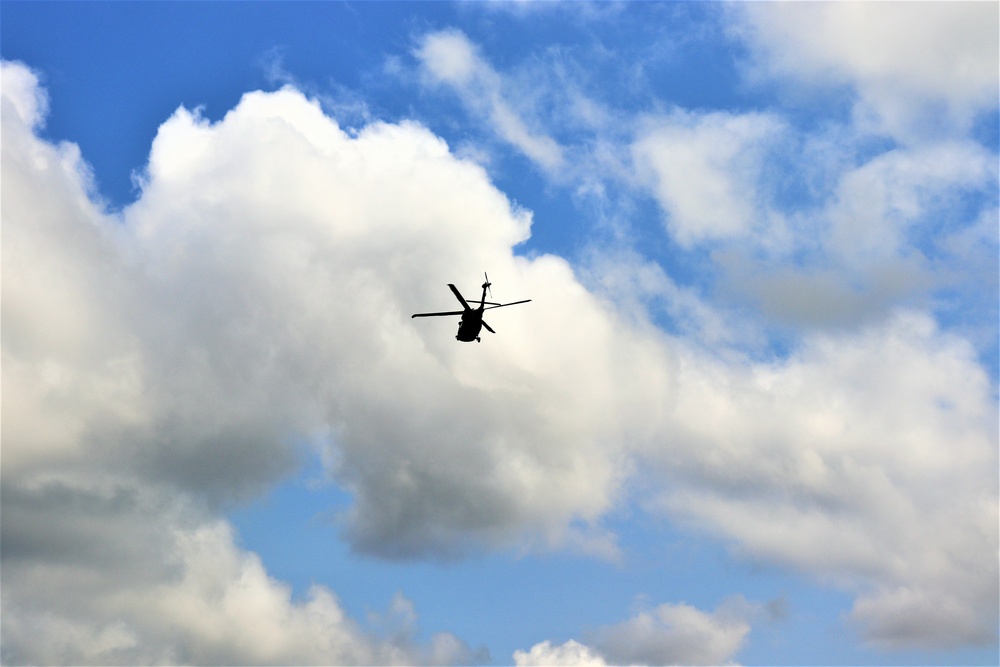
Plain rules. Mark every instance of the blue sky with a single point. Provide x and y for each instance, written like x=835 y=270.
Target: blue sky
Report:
x=750 y=415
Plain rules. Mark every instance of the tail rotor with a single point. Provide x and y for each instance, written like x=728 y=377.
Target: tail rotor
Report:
x=486 y=285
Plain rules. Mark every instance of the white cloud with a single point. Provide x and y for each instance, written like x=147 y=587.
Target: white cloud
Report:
x=640 y=288
x=448 y=57
x=881 y=205
x=451 y=58
x=258 y=295
x=170 y=587
x=27 y=99
x=678 y=634
x=913 y=65
x=706 y=172
x=860 y=235
x=885 y=237
x=122 y=420
x=571 y=652
x=261 y=257
x=865 y=460
x=670 y=634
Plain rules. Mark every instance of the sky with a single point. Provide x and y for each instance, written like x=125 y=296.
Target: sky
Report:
x=750 y=415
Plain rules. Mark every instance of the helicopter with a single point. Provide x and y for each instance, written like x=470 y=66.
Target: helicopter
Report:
x=472 y=318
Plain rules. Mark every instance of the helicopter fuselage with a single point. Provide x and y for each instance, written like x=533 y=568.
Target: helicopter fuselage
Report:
x=470 y=325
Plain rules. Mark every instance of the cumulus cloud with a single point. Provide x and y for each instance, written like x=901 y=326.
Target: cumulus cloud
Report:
x=257 y=296
x=670 y=634
x=172 y=360
x=571 y=652
x=915 y=67
x=167 y=587
x=259 y=292
x=677 y=634
x=121 y=434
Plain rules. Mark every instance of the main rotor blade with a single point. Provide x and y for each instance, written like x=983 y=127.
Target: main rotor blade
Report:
x=452 y=312
x=488 y=328
x=460 y=297
x=514 y=303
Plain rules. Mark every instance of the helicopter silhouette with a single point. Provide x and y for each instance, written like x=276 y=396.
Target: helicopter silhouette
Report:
x=472 y=318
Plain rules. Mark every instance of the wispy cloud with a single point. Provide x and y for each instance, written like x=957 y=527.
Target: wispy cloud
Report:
x=449 y=58
x=706 y=171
